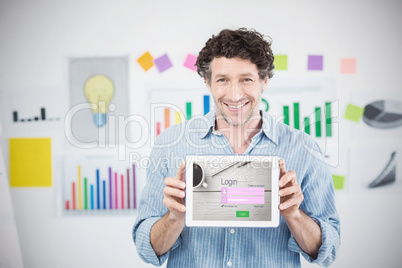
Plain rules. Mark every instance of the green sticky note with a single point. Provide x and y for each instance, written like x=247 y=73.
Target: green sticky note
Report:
x=281 y=62
x=339 y=181
x=354 y=113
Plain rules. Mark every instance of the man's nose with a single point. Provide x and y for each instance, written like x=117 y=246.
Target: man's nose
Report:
x=234 y=92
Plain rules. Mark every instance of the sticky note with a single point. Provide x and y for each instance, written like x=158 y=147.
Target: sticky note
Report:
x=190 y=62
x=163 y=63
x=30 y=162
x=315 y=62
x=339 y=181
x=354 y=113
x=281 y=62
x=348 y=66
x=146 y=61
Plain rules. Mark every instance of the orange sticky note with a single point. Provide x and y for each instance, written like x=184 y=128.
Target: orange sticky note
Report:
x=348 y=66
x=30 y=162
x=146 y=61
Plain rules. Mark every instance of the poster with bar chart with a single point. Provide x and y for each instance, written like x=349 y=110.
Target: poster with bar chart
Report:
x=98 y=184
x=24 y=111
x=40 y=116
x=167 y=111
x=310 y=106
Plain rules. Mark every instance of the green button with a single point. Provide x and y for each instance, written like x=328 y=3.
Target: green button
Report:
x=242 y=214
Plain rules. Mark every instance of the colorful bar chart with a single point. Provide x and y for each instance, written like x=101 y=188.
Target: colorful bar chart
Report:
x=98 y=186
x=186 y=109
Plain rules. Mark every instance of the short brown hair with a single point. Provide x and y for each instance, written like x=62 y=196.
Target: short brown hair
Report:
x=241 y=43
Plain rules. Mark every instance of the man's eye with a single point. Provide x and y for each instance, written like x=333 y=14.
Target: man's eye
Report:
x=221 y=80
x=248 y=80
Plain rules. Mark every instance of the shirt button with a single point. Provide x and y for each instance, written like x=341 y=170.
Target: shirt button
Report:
x=229 y=263
x=232 y=231
x=216 y=132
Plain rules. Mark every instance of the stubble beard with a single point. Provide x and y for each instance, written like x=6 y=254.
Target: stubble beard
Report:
x=253 y=111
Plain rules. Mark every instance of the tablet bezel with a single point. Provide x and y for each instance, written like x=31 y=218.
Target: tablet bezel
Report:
x=207 y=223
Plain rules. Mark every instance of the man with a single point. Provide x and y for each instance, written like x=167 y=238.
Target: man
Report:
x=236 y=67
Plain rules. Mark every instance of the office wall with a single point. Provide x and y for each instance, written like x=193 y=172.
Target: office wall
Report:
x=38 y=38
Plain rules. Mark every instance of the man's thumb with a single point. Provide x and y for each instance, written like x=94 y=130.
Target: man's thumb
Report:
x=180 y=171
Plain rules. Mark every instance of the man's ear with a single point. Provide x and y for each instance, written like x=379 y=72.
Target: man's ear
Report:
x=265 y=83
x=207 y=84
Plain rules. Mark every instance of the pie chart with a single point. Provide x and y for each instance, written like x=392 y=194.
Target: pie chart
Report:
x=383 y=114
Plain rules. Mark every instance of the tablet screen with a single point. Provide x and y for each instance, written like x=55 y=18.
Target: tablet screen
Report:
x=232 y=190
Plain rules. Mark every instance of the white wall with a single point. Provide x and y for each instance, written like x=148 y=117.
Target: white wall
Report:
x=37 y=37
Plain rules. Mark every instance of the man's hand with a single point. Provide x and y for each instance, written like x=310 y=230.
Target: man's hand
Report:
x=290 y=193
x=305 y=230
x=166 y=231
x=174 y=194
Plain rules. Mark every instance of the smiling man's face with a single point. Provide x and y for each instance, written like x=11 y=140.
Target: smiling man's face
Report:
x=236 y=88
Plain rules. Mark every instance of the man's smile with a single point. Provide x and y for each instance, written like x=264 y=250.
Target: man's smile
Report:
x=236 y=107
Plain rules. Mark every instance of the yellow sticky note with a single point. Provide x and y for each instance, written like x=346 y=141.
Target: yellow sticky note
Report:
x=146 y=61
x=281 y=62
x=339 y=181
x=30 y=162
x=354 y=113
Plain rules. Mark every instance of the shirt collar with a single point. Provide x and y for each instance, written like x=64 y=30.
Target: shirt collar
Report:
x=210 y=116
x=268 y=126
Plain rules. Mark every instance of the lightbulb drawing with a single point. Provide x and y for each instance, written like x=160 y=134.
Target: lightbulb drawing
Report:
x=99 y=90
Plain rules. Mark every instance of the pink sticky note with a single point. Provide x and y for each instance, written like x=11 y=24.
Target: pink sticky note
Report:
x=190 y=62
x=348 y=66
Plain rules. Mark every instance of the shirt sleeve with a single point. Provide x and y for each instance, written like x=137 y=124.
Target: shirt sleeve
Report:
x=319 y=203
x=151 y=207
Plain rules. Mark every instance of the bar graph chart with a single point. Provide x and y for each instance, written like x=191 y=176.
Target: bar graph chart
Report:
x=310 y=106
x=320 y=124
x=185 y=105
x=30 y=110
x=35 y=118
x=98 y=184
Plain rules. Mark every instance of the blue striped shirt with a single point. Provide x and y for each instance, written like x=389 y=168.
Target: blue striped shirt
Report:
x=238 y=247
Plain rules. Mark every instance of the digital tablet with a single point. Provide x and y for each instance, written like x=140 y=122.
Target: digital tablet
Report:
x=232 y=190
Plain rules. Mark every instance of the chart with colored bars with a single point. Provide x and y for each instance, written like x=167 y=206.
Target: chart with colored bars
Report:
x=98 y=184
x=310 y=106
x=306 y=107
x=186 y=104
x=320 y=120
